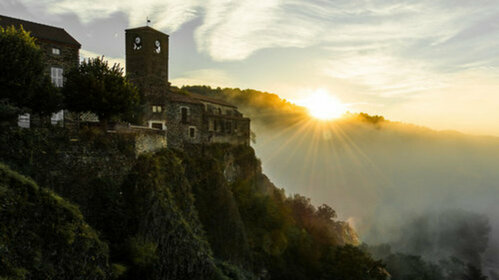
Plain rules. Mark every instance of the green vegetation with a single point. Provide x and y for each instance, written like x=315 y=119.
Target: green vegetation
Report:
x=252 y=223
x=24 y=87
x=42 y=236
x=175 y=215
x=163 y=238
x=103 y=90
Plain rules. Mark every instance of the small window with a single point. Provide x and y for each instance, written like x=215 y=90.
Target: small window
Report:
x=57 y=118
x=157 y=109
x=56 y=51
x=192 y=132
x=56 y=76
x=184 y=112
x=24 y=121
x=211 y=125
x=228 y=126
x=157 y=125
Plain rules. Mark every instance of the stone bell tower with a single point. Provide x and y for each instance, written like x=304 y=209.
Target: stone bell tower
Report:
x=147 y=60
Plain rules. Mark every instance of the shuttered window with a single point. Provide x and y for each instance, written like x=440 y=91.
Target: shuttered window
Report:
x=56 y=76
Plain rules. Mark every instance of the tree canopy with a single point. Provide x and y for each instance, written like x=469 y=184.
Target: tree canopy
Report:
x=23 y=83
x=96 y=87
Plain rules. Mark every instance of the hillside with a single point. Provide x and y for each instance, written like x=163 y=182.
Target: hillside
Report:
x=202 y=213
x=43 y=236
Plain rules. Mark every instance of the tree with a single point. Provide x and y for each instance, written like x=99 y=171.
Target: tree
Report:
x=326 y=212
x=474 y=273
x=96 y=87
x=23 y=83
x=350 y=262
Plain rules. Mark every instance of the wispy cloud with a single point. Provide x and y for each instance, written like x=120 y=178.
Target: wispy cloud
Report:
x=233 y=30
x=385 y=75
x=169 y=15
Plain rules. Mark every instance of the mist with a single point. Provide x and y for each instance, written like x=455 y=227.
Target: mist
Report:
x=423 y=192
x=383 y=176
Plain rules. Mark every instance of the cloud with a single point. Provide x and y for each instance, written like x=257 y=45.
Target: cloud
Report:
x=169 y=15
x=235 y=29
x=384 y=75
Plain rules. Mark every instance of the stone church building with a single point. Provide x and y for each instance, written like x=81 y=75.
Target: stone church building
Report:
x=186 y=117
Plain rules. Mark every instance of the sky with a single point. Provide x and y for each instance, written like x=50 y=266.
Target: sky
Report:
x=433 y=63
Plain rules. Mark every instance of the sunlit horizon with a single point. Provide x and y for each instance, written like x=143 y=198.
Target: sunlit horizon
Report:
x=322 y=105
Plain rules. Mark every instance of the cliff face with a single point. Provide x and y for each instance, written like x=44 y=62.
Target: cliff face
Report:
x=142 y=207
x=206 y=212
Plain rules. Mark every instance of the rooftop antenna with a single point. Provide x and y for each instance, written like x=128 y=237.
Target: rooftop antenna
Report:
x=148 y=21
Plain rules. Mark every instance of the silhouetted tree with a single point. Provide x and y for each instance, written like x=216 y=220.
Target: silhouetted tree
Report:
x=23 y=83
x=103 y=90
x=351 y=263
x=326 y=212
x=473 y=273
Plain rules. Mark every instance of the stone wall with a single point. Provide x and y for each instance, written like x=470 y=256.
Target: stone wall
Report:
x=226 y=129
x=149 y=142
x=67 y=58
x=178 y=131
x=145 y=139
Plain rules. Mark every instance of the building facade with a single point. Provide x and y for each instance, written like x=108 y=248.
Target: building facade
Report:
x=186 y=117
x=59 y=49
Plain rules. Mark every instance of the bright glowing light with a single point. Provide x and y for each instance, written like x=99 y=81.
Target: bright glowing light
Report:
x=323 y=106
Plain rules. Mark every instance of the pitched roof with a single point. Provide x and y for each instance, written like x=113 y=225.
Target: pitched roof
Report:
x=40 y=31
x=177 y=97
x=189 y=97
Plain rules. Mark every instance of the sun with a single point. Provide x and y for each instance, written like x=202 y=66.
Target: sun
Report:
x=323 y=106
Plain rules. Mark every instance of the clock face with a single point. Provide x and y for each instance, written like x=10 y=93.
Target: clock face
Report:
x=157 y=46
x=137 y=43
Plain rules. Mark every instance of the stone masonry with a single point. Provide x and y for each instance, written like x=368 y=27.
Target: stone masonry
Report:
x=186 y=117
